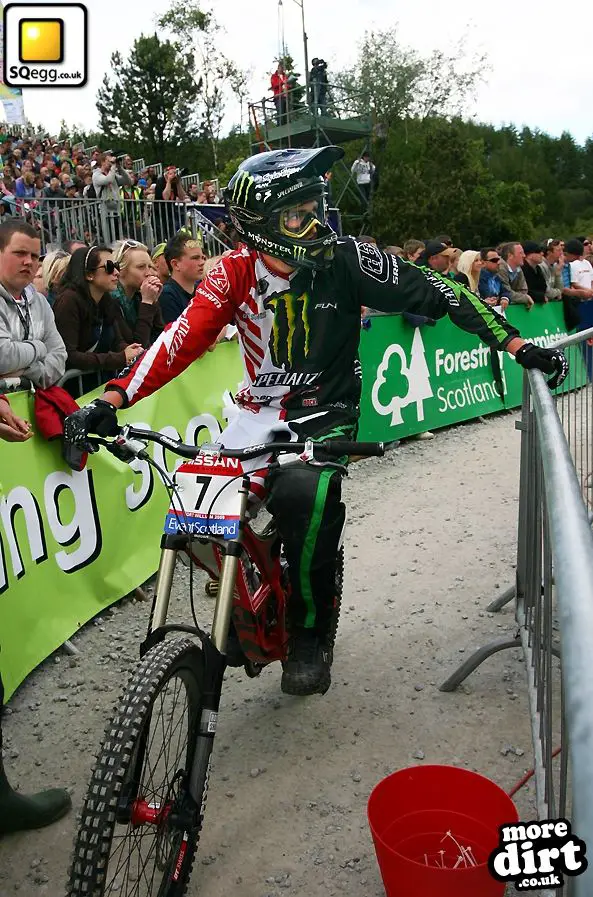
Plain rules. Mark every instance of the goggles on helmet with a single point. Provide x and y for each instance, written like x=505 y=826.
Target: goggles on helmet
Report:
x=300 y=220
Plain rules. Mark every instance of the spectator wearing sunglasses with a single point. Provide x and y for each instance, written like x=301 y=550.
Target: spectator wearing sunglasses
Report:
x=87 y=315
x=137 y=293
x=534 y=276
x=490 y=287
x=587 y=248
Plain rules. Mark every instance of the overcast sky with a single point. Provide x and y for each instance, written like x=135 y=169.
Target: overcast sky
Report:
x=540 y=66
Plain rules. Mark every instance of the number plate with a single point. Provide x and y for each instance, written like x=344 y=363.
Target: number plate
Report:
x=209 y=490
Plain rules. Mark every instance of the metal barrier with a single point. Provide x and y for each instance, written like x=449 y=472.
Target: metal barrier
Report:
x=555 y=576
x=188 y=179
x=95 y=221
x=575 y=409
x=138 y=165
x=214 y=241
x=94 y=378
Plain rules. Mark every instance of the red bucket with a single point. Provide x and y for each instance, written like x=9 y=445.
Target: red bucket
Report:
x=410 y=813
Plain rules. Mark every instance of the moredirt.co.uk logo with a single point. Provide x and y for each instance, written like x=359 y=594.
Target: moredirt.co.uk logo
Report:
x=537 y=855
x=45 y=45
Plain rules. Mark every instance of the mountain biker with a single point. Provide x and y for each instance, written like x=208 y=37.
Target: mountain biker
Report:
x=295 y=297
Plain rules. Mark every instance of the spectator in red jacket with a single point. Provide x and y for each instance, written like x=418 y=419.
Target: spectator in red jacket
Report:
x=279 y=84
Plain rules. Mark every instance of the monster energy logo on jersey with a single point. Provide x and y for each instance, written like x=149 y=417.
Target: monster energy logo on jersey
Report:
x=242 y=186
x=291 y=330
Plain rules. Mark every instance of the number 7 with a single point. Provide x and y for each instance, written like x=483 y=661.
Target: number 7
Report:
x=204 y=481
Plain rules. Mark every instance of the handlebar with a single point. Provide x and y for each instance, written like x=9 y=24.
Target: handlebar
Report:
x=131 y=443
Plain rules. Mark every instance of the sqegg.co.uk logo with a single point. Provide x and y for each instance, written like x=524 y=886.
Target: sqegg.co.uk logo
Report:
x=45 y=45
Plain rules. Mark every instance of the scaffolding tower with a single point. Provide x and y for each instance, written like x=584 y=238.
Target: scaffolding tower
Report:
x=297 y=122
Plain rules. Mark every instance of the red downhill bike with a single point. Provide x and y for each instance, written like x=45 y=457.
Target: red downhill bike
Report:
x=145 y=803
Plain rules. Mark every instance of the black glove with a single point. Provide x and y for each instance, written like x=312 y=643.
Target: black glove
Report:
x=99 y=417
x=549 y=361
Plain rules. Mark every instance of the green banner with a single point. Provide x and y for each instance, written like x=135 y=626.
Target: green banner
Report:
x=73 y=543
x=423 y=378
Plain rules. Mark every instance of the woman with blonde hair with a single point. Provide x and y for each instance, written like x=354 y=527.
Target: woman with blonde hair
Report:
x=468 y=269
x=53 y=269
x=137 y=293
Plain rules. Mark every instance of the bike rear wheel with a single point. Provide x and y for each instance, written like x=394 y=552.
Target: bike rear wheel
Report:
x=139 y=827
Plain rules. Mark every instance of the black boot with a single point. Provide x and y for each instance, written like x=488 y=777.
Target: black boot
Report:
x=19 y=812
x=307 y=670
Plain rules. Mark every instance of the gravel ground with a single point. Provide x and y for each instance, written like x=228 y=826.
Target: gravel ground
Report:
x=431 y=540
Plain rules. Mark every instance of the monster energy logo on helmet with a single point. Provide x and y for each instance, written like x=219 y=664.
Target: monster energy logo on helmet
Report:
x=244 y=182
x=299 y=252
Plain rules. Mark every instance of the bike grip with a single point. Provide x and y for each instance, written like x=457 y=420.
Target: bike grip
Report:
x=342 y=447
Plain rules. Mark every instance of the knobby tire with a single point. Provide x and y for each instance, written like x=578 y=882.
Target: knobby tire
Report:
x=123 y=761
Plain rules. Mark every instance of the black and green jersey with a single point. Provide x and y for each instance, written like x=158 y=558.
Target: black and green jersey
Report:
x=300 y=334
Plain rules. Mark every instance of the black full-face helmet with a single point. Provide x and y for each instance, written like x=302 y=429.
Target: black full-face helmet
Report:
x=277 y=201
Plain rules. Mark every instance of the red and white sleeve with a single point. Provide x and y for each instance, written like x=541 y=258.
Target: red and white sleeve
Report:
x=184 y=340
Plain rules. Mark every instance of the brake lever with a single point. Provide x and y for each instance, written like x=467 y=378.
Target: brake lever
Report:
x=308 y=456
x=122 y=448
x=126 y=449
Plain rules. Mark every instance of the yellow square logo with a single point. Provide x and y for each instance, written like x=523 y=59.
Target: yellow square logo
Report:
x=41 y=40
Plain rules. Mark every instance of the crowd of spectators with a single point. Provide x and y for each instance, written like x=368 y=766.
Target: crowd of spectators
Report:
x=512 y=273
x=88 y=308
x=40 y=177
x=33 y=169
x=96 y=308
x=96 y=304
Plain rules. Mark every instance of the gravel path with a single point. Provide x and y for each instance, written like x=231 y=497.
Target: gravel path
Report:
x=431 y=540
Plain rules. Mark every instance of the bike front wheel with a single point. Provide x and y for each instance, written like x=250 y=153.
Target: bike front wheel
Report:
x=140 y=826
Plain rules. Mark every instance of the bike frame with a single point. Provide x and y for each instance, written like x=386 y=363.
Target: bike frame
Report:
x=214 y=645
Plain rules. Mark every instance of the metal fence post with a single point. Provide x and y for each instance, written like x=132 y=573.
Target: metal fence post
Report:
x=555 y=575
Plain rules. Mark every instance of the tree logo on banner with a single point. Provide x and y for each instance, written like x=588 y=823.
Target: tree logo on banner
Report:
x=413 y=376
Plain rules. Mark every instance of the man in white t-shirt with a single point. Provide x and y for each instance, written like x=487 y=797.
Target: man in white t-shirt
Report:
x=581 y=271
x=363 y=170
